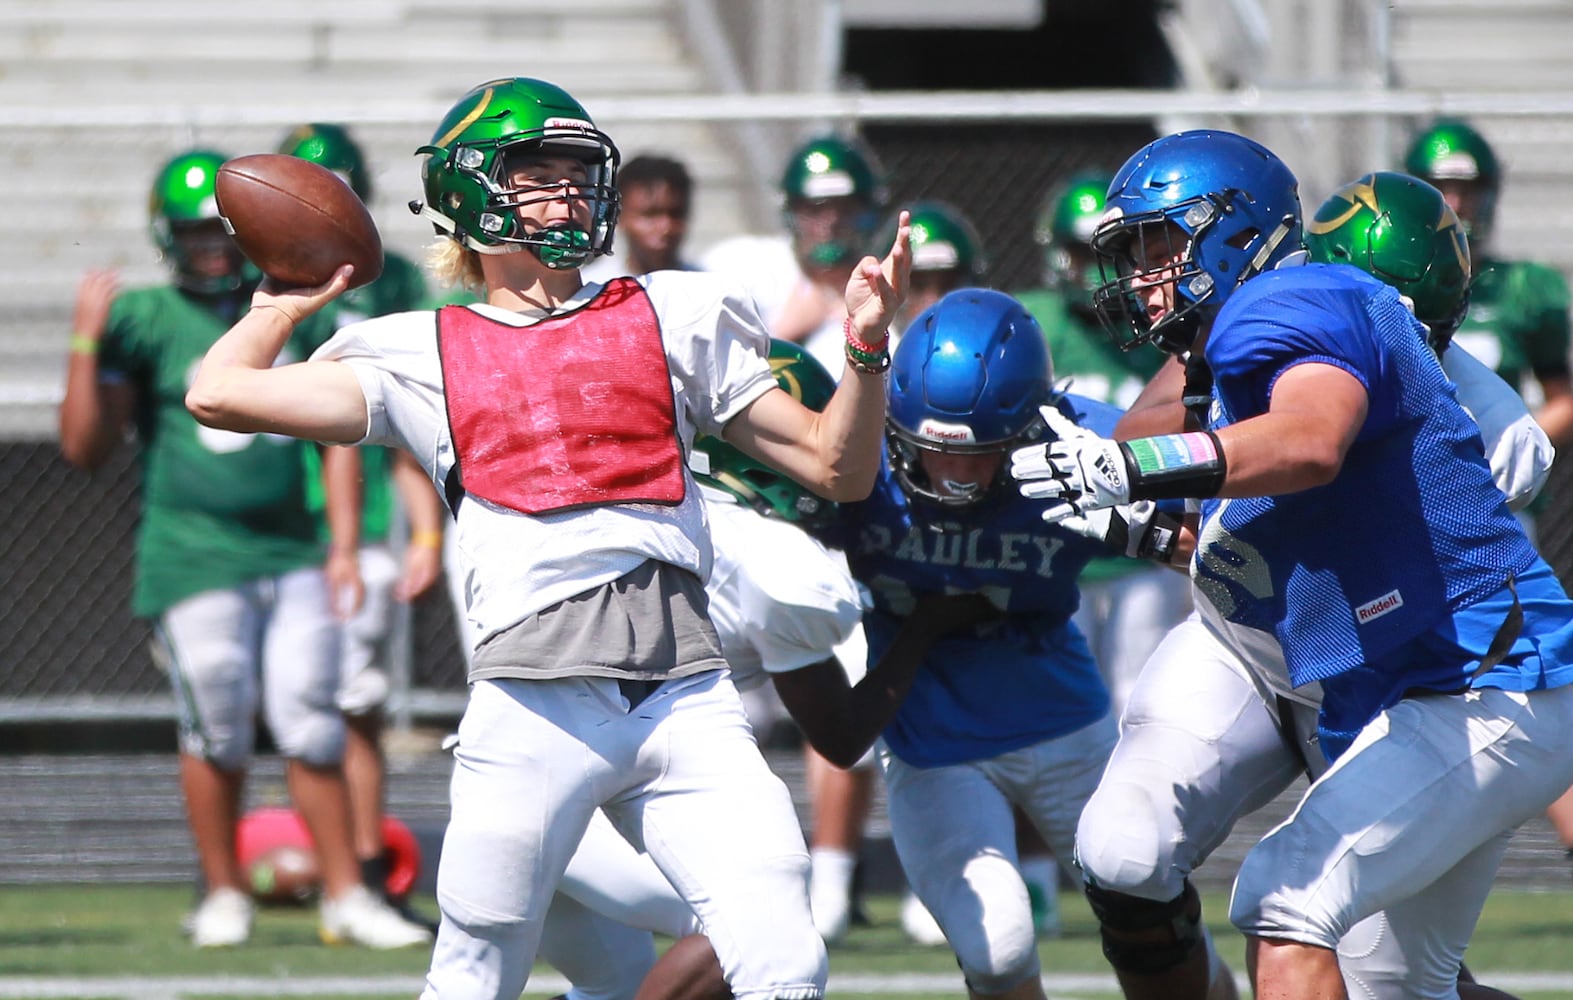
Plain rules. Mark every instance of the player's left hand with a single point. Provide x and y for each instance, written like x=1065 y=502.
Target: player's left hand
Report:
x=877 y=288
x=422 y=568
x=1136 y=529
x=346 y=589
x=1078 y=472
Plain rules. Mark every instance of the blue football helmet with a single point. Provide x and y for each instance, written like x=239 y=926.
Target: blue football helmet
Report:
x=968 y=376
x=1203 y=210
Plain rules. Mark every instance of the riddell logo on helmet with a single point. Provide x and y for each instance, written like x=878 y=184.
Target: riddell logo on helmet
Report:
x=568 y=123
x=934 y=430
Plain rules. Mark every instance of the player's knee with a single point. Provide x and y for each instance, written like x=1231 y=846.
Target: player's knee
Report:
x=989 y=927
x=999 y=972
x=1121 y=845
x=227 y=747
x=1144 y=936
x=315 y=738
x=1263 y=905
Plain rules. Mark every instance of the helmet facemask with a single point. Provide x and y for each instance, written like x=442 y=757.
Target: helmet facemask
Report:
x=187 y=248
x=184 y=221
x=1201 y=247
x=497 y=225
x=1064 y=229
x=967 y=378
x=906 y=462
x=477 y=152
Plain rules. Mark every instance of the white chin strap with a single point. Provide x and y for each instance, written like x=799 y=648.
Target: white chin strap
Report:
x=445 y=224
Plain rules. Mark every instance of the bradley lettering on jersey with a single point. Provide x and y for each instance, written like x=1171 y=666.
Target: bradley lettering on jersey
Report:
x=974 y=549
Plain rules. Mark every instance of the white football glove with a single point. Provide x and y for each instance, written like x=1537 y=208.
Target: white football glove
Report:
x=1136 y=530
x=1078 y=473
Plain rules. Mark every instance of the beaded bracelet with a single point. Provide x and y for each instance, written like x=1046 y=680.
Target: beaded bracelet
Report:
x=870 y=359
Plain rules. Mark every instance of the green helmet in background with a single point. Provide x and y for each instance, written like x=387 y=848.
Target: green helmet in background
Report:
x=943 y=239
x=1451 y=150
x=833 y=167
x=1400 y=229
x=466 y=184
x=330 y=146
x=1064 y=230
x=182 y=196
x=772 y=493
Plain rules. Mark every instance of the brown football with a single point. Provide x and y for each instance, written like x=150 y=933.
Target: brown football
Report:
x=284 y=874
x=296 y=220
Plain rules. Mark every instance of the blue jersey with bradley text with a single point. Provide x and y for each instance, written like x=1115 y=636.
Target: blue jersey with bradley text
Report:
x=1008 y=684
x=1394 y=576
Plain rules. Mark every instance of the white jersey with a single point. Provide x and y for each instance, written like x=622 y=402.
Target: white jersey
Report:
x=604 y=268
x=766 y=267
x=715 y=350
x=1518 y=451
x=763 y=265
x=780 y=600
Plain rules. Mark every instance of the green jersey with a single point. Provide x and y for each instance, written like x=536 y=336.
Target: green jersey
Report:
x=376 y=508
x=1100 y=370
x=218 y=508
x=1517 y=323
x=400 y=288
x=1083 y=350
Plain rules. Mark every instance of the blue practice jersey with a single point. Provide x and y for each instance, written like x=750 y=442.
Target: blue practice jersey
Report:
x=1392 y=577
x=1006 y=685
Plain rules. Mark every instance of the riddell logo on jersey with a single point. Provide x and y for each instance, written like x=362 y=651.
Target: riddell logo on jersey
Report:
x=1372 y=610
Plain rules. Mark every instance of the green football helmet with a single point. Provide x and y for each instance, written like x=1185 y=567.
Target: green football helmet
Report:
x=833 y=167
x=330 y=146
x=466 y=183
x=942 y=240
x=1400 y=229
x=768 y=491
x=1064 y=230
x=183 y=197
x=1450 y=150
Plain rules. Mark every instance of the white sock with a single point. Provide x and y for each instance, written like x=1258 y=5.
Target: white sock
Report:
x=830 y=871
x=830 y=889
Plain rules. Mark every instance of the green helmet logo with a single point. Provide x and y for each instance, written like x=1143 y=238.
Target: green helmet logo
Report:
x=1451 y=150
x=768 y=491
x=832 y=167
x=1400 y=229
x=1064 y=229
x=330 y=146
x=466 y=183
x=183 y=194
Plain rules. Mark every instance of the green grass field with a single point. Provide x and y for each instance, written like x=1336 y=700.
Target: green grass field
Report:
x=124 y=942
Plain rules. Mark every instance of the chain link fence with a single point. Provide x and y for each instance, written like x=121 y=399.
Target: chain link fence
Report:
x=69 y=647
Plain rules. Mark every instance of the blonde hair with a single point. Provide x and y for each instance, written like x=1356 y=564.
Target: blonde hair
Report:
x=452 y=264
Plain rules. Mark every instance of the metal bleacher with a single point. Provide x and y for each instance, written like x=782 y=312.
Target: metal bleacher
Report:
x=95 y=94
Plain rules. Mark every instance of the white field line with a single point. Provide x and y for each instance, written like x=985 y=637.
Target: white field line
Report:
x=177 y=987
